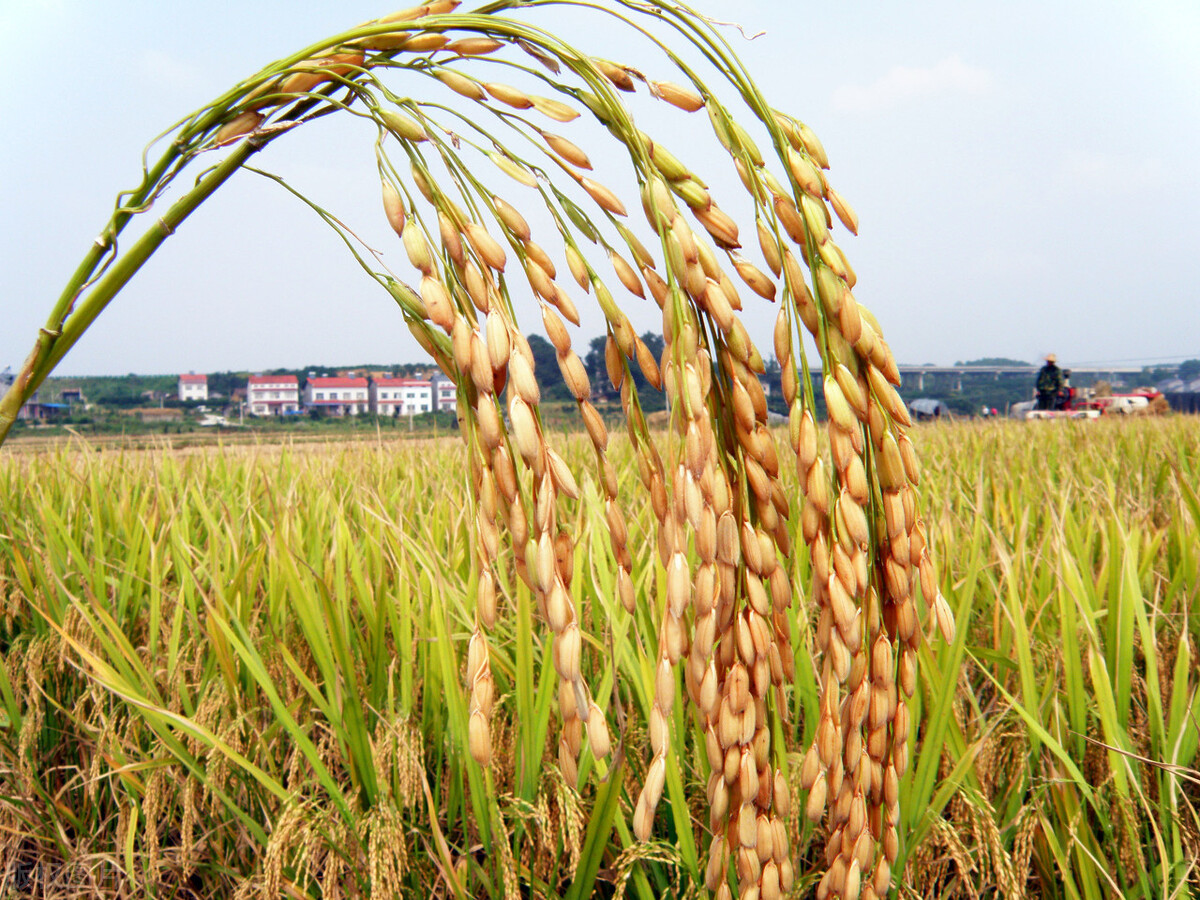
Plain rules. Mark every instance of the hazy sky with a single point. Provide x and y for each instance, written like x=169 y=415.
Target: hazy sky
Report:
x=1026 y=175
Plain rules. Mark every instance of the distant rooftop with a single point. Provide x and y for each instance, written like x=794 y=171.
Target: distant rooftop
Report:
x=403 y=382
x=337 y=382
x=273 y=379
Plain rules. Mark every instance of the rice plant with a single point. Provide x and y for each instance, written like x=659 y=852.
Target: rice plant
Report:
x=713 y=618
x=144 y=750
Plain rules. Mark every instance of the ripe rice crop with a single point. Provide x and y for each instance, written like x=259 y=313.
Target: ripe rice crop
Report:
x=718 y=639
x=239 y=671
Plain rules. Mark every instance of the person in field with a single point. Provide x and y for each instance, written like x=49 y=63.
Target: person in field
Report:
x=1049 y=382
x=1066 y=394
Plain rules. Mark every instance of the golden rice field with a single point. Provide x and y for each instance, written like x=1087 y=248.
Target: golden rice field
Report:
x=239 y=672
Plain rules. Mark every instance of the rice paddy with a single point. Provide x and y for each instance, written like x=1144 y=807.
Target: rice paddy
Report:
x=240 y=671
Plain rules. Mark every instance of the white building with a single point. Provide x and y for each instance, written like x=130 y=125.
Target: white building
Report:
x=193 y=387
x=445 y=392
x=401 y=396
x=337 y=396
x=272 y=395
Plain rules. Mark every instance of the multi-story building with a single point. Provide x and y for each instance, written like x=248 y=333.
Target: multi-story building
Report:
x=193 y=387
x=272 y=395
x=445 y=393
x=33 y=409
x=401 y=396
x=337 y=396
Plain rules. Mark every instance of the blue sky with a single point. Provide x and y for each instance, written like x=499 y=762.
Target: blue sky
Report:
x=1025 y=175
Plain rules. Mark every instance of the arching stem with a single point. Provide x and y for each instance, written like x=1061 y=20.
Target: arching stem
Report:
x=68 y=322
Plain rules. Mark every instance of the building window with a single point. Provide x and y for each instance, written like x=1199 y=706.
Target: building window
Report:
x=320 y=395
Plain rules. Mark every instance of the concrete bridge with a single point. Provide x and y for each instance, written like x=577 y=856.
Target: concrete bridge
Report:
x=907 y=372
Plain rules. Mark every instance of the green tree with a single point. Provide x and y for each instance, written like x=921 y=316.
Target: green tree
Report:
x=993 y=361
x=1189 y=369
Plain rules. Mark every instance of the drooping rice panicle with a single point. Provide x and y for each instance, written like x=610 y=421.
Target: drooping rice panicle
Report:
x=723 y=518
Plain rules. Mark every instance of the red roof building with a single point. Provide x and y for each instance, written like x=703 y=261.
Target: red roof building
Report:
x=401 y=396
x=272 y=395
x=337 y=396
x=193 y=387
x=445 y=392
